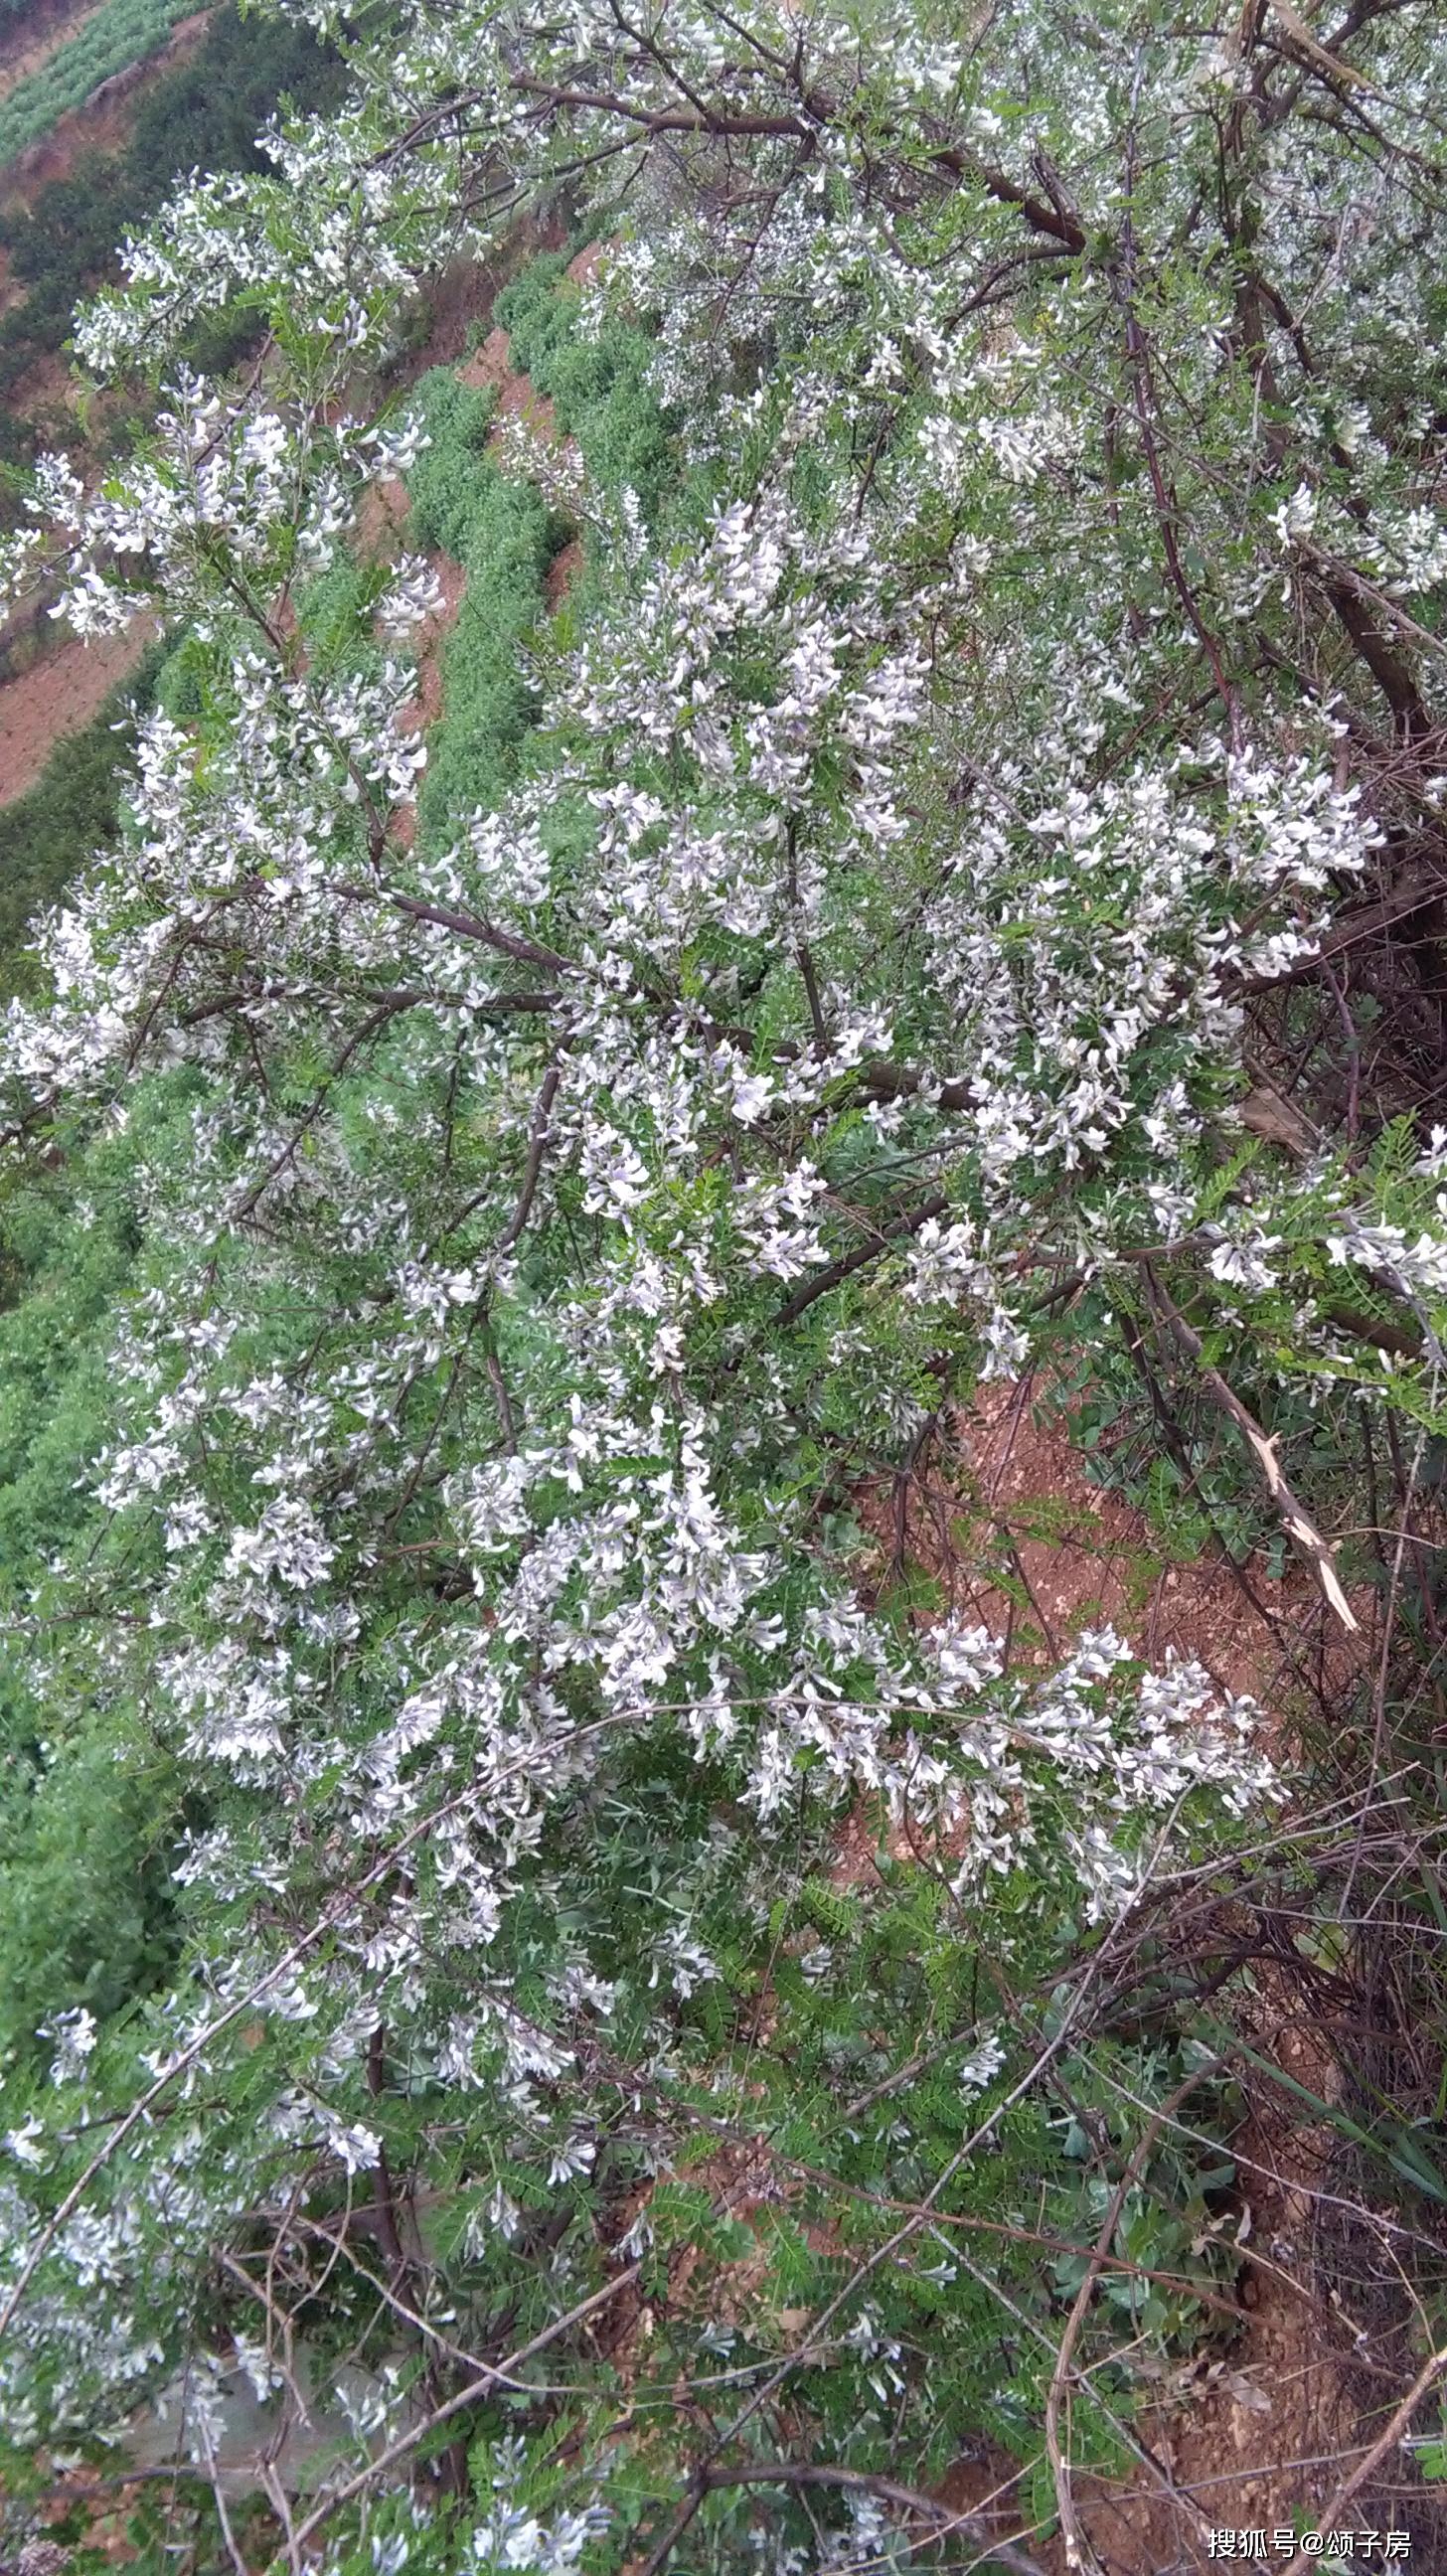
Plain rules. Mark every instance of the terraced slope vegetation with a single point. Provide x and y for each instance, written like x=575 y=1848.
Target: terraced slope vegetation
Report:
x=724 y=1286
x=58 y=239
x=61 y=239
x=30 y=34
x=114 y=36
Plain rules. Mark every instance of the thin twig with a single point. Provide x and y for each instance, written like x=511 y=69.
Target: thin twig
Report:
x=804 y=2474
x=1078 y=2550
x=1331 y=2513
x=487 y=2379
x=1297 y=1522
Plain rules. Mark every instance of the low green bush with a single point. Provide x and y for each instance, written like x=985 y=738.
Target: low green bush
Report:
x=504 y=536
x=597 y=384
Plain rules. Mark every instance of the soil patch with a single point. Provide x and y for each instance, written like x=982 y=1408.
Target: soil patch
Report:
x=999 y=1512
x=57 y=697
x=491 y=366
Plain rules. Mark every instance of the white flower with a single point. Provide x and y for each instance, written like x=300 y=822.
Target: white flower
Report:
x=752 y=1095
x=74 y=2033
x=573 y=2156
x=1295 y=519
x=982 y=2065
x=20 y=2143
x=285 y=1547
x=1240 y=1262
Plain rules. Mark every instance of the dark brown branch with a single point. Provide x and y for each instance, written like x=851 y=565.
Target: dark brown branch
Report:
x=1414 y=889
x=820 y=1285
x=804 y=2474
x=725 y=123
x=1387 y=668
x=245 y=999
x=537 y=1146
x=1167 y=507
x=468 y=925
x=665 y=120
x=885 y=1081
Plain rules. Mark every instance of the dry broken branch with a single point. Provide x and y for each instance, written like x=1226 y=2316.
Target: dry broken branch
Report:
x=1295 y=1519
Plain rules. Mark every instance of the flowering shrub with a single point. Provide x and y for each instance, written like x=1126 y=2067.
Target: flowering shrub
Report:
x=837 y=997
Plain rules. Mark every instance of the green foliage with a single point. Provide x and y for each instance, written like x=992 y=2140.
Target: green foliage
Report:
x=89 y=1809
x=597 y=383
x=504 y=533
x=504 y=536
x=87 y=1837
x=900 y=2015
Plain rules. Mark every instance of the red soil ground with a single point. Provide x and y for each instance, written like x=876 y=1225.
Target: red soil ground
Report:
x=57 y=697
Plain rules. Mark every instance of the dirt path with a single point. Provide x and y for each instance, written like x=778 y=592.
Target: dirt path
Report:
x=1086 y=1557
